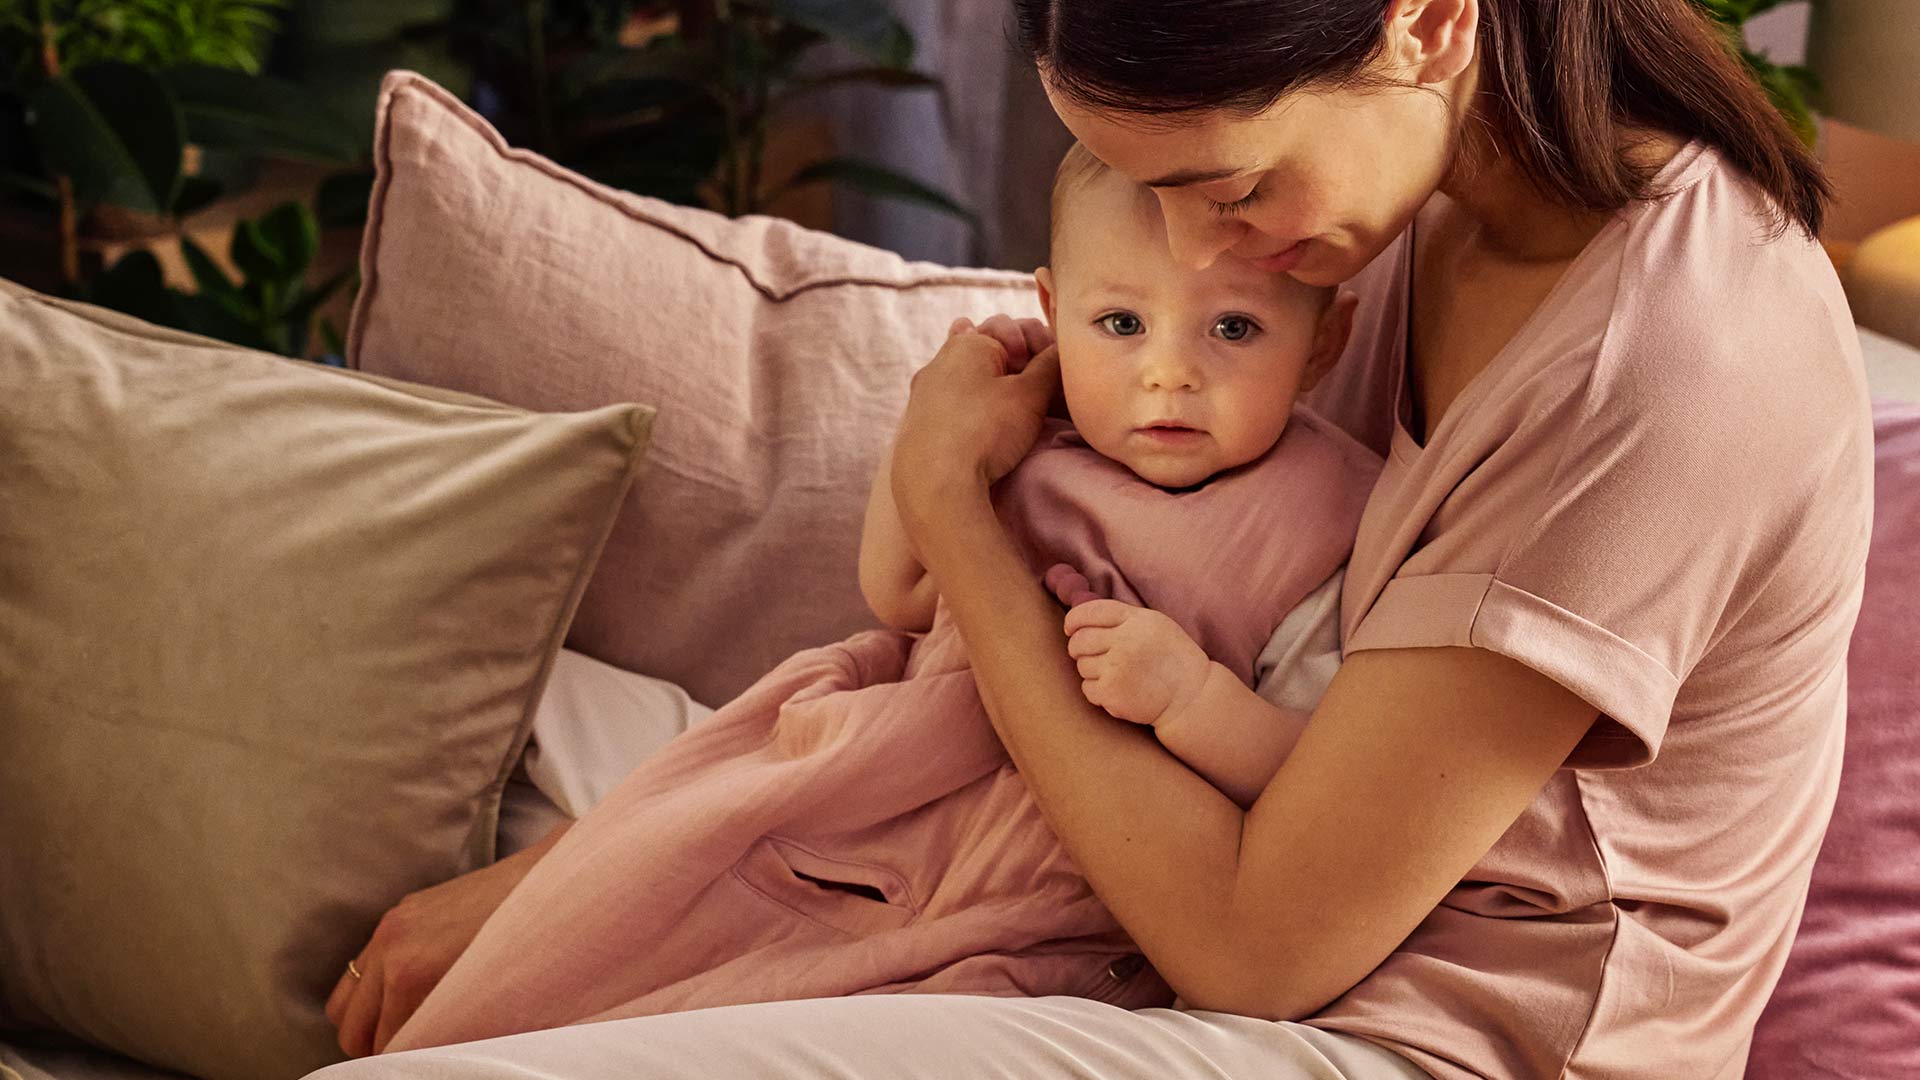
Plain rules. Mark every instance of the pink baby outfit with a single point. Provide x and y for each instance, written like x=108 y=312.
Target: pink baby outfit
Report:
x=851 y=824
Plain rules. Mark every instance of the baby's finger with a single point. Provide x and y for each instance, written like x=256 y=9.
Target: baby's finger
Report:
x=1091 y=642
x=962 y=325
x=1097 y=614
x=1068 y=585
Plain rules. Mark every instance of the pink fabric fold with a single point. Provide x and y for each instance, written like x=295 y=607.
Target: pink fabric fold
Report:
x=851 y=824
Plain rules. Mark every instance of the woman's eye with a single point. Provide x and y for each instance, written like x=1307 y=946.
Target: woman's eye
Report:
x=1230 y=209
x=1235 y=327
x=1122 y=323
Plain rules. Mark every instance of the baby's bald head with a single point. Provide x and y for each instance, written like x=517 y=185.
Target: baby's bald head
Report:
x=1077 y=169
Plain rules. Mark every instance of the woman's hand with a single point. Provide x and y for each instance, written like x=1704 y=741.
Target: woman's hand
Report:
x=973 y=412
x=415 y=945
x=1134 y=662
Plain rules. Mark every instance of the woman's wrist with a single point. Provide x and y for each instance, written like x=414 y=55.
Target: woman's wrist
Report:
x=936 y=511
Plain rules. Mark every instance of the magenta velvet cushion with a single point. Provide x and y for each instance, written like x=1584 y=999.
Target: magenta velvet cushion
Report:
x=1848 y=1003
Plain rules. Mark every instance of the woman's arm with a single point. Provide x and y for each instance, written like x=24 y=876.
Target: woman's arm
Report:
x=895 y=585
x=1413 y=765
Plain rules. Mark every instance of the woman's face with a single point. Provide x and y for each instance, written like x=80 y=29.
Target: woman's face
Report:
x=1315 y=186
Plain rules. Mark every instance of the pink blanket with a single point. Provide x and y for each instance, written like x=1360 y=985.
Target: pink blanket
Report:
x=851 y=824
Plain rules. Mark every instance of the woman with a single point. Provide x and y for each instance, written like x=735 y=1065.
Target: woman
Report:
x=1556 y=814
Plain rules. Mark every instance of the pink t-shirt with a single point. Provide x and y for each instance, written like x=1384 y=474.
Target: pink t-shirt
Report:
x=1659 y=494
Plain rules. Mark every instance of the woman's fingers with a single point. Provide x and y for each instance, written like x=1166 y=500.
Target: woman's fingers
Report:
x=398 y=1003
x=337 y=1001
x=363 y=1007
x=1003 y=329
x=1038 y=335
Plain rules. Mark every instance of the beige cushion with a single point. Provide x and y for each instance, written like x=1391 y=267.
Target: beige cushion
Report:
x=779 y=359
x=272 y=635
x=1883 y=281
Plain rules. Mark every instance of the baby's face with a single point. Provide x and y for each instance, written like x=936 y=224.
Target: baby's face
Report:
x=1176 y=373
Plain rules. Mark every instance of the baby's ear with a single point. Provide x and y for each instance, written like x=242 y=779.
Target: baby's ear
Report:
x=1043 y=283
x=1329 y=339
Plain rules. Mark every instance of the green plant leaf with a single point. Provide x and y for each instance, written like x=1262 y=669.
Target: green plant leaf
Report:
x=205 y=315
x=252 y=252
x=365 y=22
x=261 y=115
x=879 y=180
x=866 y=25
x=291 y=230
x=207 y=274
x=115 y=129
x=33 y=185
x=343 y=199
x=196 y=193
x=136 y=286
x=306 y=301
x=622 y=97
x=665 y=160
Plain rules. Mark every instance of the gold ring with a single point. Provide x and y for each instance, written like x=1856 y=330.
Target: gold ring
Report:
x=352 y=970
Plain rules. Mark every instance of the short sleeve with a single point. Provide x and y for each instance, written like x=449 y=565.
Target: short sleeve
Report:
x=1609 y=535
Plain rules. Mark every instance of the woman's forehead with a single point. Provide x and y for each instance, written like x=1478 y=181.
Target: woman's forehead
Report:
x=1202 y=149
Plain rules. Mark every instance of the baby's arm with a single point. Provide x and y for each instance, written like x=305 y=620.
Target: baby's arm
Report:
x=896 y=586
x=1140 y=666
x=1230 y=735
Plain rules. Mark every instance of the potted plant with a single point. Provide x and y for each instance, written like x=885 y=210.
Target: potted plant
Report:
x=1793 y=88
x=144 y=106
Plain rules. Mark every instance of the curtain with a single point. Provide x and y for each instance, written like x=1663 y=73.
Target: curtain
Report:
x=988 y=139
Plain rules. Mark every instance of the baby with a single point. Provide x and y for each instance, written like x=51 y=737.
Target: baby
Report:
x=1180 y=376
x=851 y=823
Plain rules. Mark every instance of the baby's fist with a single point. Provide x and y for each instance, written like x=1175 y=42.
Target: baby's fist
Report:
x=1134 y=662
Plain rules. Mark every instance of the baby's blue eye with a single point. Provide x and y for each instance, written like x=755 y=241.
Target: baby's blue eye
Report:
x=1235 y=327
x=1122 y=323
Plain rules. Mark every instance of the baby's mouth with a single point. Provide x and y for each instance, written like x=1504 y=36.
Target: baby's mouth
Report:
x=1169 y=431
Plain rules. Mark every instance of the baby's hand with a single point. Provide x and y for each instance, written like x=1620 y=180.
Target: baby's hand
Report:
x=1134 y=662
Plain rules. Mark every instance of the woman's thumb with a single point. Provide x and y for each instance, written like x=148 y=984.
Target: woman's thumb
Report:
x=1044 y=368
x=1042 y=375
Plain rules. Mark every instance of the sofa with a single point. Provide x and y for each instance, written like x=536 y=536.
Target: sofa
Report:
x=274 y=634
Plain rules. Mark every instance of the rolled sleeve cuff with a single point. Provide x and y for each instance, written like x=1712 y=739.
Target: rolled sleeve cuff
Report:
x=1633 y=691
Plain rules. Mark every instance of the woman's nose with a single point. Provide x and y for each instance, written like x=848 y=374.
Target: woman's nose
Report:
x=1195 y=235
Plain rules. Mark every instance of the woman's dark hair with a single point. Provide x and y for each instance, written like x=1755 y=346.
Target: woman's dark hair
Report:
x=1565 y=77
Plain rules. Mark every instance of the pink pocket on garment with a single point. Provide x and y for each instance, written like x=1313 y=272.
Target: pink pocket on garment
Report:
x=857 y=899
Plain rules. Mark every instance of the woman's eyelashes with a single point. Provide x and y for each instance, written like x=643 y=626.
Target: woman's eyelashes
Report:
x=1231 y=209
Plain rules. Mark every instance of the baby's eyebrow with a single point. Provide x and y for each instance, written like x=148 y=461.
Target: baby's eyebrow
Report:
x=1106 y=285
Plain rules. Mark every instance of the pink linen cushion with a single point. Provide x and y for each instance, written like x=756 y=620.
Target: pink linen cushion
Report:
x=1848 y=1003
x=778 y=358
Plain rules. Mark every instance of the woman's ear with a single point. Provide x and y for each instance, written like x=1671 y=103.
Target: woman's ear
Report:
x=1043 y=281
x=1431 y=41
x=1329 y=339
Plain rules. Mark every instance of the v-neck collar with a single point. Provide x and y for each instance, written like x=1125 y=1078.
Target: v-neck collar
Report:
x=1685 y=167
